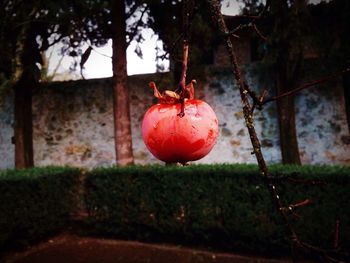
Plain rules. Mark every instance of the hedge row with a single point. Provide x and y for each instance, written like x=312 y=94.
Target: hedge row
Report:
x=223 y=206
x=35 y=202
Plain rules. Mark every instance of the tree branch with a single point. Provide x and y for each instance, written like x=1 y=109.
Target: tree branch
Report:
x=257 y=31
x=249 y=25
x=214 y=7
x=306 y=85
x=134 y=32
x=55 y=41
x=180 y=36
x=98 y=52
x=217 y=16
x=132 y=10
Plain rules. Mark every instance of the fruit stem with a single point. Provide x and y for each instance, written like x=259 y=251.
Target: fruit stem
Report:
x=182 y=84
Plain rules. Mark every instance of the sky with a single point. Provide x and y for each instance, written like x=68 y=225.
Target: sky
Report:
x=99 y=64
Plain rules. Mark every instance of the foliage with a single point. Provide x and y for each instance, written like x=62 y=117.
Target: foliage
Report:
x=223 y=206
x=331 y=30
x=69 y=22
x=167 y=22
x=35 y=202
x=320 y=31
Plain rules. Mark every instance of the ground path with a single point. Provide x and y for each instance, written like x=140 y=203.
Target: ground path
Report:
x=68 y=248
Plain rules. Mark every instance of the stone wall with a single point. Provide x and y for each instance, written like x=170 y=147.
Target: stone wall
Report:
x=7 y=158
x=73 y=123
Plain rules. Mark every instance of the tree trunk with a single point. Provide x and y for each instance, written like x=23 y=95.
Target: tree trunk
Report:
x=346 y=87
x=289 y=60
x=288 y=75
x=26 y=80
x=23 y=130
x=122 y=123
x=286 y=120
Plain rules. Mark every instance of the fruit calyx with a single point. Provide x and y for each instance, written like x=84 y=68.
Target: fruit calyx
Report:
x=174 y=97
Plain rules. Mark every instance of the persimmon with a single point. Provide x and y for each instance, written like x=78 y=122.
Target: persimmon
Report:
x=179 y=128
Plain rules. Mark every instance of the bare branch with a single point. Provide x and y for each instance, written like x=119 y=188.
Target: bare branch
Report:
x=238 y=28
x=57 y=66
x=180 y=36
x=243 y=26
x=257 y=31
x=185 y=29
x=55 y=41
x=98 y=52
x=325 y=255
x=132 y=10
x=217 y=16
x=266 y=7
x=336 y=234
x=139 y=22
x=307 y=85
x=245 y=17
x=214 y=6
x=300 y=204
x=293 y=178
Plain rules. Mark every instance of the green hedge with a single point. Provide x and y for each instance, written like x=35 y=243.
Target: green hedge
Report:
x=35 y=202
x=222 y=206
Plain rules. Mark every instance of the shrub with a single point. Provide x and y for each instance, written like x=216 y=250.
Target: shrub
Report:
x=223 y=206
x=35 y=202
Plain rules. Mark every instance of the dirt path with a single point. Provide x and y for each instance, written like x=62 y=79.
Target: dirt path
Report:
x=75 y=249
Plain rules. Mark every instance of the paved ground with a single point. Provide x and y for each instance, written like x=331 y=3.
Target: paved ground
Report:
x=75 y=249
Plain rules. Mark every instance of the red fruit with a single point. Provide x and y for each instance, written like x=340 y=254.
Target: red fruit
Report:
x=172 y=138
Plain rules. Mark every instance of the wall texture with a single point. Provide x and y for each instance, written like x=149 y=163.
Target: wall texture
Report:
x=7 y=159
x=73 y=123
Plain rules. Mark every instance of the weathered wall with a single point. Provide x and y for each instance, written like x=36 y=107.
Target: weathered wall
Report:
x=73 y=123
x=6 y=132
x=322 y=125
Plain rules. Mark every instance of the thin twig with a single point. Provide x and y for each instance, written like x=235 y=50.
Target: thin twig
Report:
x=134 y=32
x=132 y=10
x=174 y=44
x=243 y=26
x=54 y=42
x=299 y=204
x=336 y=234
x=307 y=85
x=266 y=7
x=179 y=37
x=185 y=30
x=248 y=17
x=257 y=31
x=238 y=28
x=98 y=52
x=217 y=16
x=293 y=178
x=291 y=208
x=214 y=6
